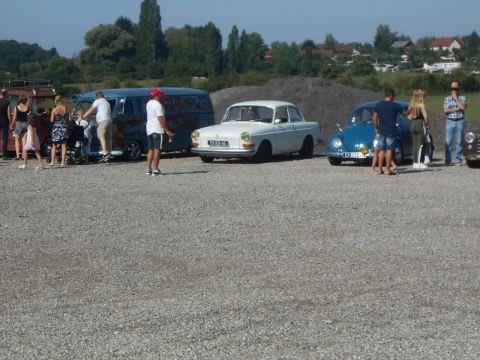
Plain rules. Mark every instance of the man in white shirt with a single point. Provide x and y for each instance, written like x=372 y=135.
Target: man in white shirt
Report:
x=104 y=123
x=156 y=128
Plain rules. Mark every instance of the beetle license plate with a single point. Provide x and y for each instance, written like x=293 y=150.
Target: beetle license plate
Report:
x=354 y=155
x=218 y=143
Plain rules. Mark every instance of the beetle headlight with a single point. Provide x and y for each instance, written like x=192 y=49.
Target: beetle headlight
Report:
x=195 y=135
x=470 y=137
x=337 y=143
x=245 y=136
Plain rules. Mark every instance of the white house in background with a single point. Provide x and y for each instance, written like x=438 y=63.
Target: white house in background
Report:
x=445 y=67
x=445 y=44
x=384 y=67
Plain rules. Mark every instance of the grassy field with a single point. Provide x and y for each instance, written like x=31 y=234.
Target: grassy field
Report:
x=435 y=104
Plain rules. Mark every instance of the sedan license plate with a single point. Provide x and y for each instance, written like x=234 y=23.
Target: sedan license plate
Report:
x=354 y=155
x=218 y=143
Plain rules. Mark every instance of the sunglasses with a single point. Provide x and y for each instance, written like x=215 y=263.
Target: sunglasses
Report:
x=454 y=89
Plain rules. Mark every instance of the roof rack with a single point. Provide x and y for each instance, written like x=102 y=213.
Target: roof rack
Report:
x=26 y=84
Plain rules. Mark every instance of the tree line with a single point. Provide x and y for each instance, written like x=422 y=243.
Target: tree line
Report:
x=126 y=50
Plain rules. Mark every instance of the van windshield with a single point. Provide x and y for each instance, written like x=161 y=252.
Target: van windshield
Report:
x=249 y=113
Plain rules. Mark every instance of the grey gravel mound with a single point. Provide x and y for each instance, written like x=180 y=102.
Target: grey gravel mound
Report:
x=325 y=102
x=292 y=259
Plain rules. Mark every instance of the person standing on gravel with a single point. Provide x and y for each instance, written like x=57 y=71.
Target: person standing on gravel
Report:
x=385 y=120
x=454 y=108
x=417 y=114
x=156 y=128
x=104 y=123
x=5 y=119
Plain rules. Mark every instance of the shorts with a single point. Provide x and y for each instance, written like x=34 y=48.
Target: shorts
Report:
x=104 y=129
x=387 y=142
x=20 y=129
x=155 y=141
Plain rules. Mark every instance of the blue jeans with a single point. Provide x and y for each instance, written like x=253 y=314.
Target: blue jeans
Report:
x=454 y=132
x=386 y=142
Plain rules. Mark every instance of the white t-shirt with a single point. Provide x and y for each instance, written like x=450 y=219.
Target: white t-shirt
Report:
x=104 y=111
x=154 y=110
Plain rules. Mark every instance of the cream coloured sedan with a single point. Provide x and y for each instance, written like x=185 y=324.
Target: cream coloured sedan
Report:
x=258 y=130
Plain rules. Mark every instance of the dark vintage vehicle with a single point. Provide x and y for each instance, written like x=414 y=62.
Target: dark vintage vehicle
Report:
x=356 y=142
x=185 y=110
x=41 y=95
x=471 y=143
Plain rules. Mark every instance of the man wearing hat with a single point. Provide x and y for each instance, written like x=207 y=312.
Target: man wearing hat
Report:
x=156 y=128
x=454 y=108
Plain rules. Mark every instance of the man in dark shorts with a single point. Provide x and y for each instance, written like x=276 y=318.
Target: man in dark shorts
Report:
x=156 y=128
x=5 y=119
x=385 y=120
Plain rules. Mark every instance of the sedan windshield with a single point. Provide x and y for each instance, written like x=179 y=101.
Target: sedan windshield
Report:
x=249 y=113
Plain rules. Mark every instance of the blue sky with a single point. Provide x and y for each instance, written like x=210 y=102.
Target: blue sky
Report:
x=63 y=23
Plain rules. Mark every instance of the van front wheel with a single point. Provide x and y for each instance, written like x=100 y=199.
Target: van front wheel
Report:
x=133 y=151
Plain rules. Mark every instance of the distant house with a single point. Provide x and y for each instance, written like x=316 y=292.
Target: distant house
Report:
x=445 y=44
x=268 y=55
x=404 y=45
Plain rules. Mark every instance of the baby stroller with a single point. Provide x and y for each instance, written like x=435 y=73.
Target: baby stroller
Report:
x=76 y=145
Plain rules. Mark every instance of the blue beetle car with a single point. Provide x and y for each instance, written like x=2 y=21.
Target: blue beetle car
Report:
x=356 y=142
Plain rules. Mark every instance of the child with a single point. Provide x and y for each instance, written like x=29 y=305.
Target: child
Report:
x=86 y=132
x=31 y=142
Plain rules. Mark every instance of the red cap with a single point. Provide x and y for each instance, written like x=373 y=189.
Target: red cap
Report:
x=156 y=92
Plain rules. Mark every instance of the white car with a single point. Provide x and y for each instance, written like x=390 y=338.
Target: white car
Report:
x=257 y=129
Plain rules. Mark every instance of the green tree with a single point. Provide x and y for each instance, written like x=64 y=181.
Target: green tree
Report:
x=251 y=52
x=384 y=38
x=62 y=70
x=285 y=58
x=151 y=44
x=126 y=24
x=106 y=45
x=330 y=42
x=361 y=67
x=213 y=49
x=232 y=50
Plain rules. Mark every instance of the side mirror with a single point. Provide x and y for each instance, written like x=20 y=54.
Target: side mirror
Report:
x=277 y=121
x=354 y=120
x=339 y=127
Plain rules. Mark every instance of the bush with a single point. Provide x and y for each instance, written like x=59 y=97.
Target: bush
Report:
x=112 y=83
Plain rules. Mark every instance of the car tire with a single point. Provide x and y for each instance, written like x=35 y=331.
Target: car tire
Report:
x=132 y=151
x=264 y=152
x=334 y=161
x=473 y=163
x=398 y=155
x=307 y=148
x=207 y=159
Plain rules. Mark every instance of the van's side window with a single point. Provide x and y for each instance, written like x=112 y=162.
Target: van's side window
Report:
x=129 y=108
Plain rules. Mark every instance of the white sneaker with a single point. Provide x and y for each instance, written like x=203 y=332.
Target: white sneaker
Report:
x=415 y=166
x=422 y=166
x=427 y=160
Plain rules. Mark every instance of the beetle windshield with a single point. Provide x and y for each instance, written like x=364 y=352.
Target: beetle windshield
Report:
x=249 y=113
x=363 y=116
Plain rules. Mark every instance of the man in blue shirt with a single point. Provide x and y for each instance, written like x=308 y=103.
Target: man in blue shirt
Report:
x=454 y=108
x=385 y=120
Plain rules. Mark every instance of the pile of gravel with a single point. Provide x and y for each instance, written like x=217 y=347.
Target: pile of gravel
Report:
x=325 y=102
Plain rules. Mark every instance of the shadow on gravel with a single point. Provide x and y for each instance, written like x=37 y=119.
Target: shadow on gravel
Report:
x=275 y=159
x=185 y=172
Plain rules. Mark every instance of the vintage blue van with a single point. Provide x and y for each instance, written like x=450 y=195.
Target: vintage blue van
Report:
x=185 y=109
x=356 y=142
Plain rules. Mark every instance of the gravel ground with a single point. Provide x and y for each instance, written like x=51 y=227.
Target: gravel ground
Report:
x=290 y=259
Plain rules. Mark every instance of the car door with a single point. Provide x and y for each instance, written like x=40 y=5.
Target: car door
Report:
x=283 y=132
x=300 y=127
x=403 y=130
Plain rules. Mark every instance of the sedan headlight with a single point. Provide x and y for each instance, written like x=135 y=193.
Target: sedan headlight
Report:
x=195 y=136
x=245 y=136
x=337 y=143
x=470 y=138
